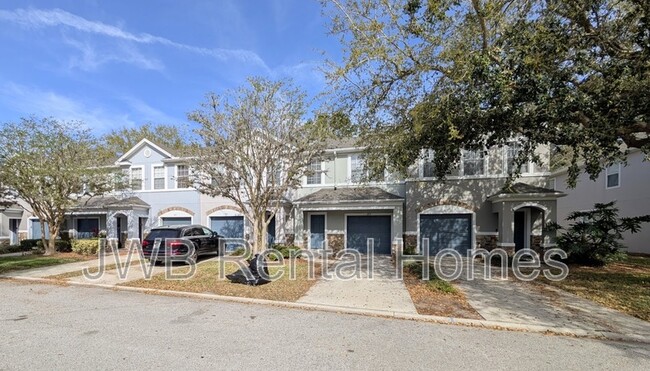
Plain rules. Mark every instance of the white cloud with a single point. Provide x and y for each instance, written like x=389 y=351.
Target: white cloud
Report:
x=43 y=103
x=90 y=59
x=57 y=17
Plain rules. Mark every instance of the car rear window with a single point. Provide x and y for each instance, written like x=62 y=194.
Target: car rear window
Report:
x=163 y=233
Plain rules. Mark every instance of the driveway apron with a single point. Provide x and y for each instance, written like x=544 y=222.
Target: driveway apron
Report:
x=362 y=287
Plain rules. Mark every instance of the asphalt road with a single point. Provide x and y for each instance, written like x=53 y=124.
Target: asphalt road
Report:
x=55 y=328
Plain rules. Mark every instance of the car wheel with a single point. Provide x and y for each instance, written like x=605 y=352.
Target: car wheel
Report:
x=194 y=258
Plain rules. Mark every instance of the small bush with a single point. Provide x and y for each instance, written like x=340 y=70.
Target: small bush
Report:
x=29 y=244
x=85 y=246
x=285 y=250
x=13 y=248
x=60 y=245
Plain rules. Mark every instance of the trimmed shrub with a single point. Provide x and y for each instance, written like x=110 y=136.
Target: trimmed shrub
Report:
x=13 y=248
x=60 y=245
x=29 y=244
x=85 y=246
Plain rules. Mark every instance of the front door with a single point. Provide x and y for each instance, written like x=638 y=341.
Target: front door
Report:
x=520 y=230
x=316 y=231
x=13 y=231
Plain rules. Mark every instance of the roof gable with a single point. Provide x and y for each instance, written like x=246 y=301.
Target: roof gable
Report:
x=141 y=144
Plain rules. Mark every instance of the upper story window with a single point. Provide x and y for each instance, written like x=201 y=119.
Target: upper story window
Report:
x=473 y=163
x=613 y=176
x=358 y=172
x=316 y=173
x=357 y=168
x=159 y=177
x=137 y=176
x=182 y=176
x=428 y=166
x=512 y=151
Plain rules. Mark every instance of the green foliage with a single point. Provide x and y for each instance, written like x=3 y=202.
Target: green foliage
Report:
x=119 y=141
x=434 y=283
x=14 y=263
x=452 y=75
x=50 y=164
x=29 y=244
x=59 y=245
x=85 y=246
x=285 y=250
x=255 y=147
x=594 y=236
x=13 y=248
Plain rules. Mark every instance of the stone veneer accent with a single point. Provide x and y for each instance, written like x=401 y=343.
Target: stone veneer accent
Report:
x=335 y=242
x=175 y=208
x=487 y=242
x=4 y=242
x=410 y=241
x=290 y=238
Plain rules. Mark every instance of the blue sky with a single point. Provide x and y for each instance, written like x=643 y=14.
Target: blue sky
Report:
x=121 y=63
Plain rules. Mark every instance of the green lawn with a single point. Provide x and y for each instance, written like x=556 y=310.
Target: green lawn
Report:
x=624 y=286
x=14 y=263
x=206 y=280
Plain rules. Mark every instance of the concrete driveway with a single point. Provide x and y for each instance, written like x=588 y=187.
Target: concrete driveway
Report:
x=375 y=288
x=514 y=301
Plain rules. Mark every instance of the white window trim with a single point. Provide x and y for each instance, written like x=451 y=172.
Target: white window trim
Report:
x=422 y=161
x=176 y=176
x=322 y=177
x=462 y=166
x=529 y=166
x=141 y=167
x=153 y=177
x=365 y=173
x=619 y=168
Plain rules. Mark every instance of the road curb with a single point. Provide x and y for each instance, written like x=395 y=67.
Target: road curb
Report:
x=491 y=325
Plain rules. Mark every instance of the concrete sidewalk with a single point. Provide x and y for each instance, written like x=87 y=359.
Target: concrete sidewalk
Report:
x=513 y=301
x=381 y=292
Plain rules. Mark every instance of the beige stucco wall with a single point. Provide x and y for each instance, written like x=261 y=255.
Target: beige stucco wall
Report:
x=632 y=197
x=471 y=194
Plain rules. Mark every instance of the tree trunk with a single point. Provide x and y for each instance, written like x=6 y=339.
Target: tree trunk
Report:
x=50 y=249
x=260 y=235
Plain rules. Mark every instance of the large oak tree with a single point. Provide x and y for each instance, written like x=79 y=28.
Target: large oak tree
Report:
x=450 y=74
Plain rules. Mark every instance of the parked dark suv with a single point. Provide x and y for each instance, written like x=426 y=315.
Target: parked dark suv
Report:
x=205 y=242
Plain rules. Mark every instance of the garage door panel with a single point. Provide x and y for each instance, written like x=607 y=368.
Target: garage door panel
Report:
x=176 y=221
x=360 y=228
x=447 y=231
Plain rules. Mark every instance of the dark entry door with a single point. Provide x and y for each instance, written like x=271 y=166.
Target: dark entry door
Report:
x=520 y=230
x=377 y=227
x=316 y=231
